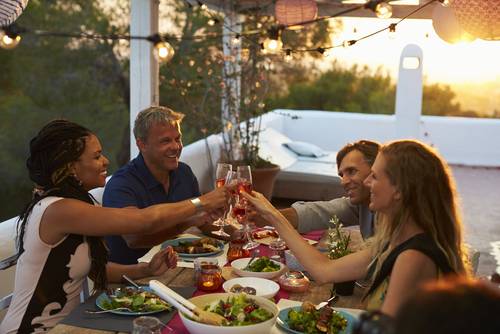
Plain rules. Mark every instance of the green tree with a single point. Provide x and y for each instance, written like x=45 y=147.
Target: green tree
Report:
x=48 y=77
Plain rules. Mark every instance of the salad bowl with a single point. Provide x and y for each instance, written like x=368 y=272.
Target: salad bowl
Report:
x=195 y=327
x=240 y=268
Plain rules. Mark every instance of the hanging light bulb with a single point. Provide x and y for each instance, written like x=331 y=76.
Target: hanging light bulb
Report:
x=392 y=30
x=236 y=39
x=444 y=3
x=164 y=52
x=273 y=43
x=9 y=40
x=383 y=10
x=288 y=55
x=212 y=21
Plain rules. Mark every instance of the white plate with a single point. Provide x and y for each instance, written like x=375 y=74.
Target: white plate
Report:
x=263 y=287
x=239 y=264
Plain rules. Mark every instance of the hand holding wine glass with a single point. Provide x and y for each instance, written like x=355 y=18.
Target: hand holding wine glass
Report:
x=228 y=181
x=220 y=180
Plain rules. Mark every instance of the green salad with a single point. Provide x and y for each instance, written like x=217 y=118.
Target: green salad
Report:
x=239 y=310
x=263 y=264
x=135 y=300
x=309 y=320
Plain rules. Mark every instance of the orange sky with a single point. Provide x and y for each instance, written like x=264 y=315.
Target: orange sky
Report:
x=460 y=63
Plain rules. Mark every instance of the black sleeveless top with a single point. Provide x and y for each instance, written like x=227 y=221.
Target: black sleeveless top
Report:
x=421 y=242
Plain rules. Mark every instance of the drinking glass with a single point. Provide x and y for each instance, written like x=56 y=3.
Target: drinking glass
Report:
x=146 y=325
x=220 y=180
x=244 y=175
x=230 y=179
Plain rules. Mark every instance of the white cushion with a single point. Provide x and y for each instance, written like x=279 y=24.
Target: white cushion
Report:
x=305 y=149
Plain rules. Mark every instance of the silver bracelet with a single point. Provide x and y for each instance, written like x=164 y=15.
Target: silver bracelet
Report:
x=197 y=204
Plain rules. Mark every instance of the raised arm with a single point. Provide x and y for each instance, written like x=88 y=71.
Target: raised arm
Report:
x=317 y=264
x=72 y=216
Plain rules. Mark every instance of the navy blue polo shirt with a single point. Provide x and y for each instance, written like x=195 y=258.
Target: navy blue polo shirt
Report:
x=134 y=185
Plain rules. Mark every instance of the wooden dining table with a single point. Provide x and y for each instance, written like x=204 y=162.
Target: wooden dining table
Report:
x=184 y=277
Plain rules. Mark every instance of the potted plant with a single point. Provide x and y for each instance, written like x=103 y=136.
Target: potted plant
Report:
x=338 y=246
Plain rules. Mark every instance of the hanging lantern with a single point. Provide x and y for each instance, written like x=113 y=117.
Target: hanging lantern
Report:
x=480 y=18
x=446 y=26
x=294 y=12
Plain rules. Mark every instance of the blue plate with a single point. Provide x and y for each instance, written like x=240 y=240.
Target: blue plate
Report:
x=104 y=297
x=175 y=242
x=282 y=320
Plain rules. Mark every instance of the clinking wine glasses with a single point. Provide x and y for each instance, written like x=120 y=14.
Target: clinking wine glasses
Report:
x=244 y=176
x=229 y=179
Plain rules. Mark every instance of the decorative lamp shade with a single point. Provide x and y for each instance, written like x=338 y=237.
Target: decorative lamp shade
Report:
x=10 y=11
x=480 y=18
x=447 y=27
x=294 y=12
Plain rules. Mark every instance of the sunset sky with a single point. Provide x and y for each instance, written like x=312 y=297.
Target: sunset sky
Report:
x=473 y=62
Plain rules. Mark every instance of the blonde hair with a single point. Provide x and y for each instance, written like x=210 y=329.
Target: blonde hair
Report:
x=428 y=197
x=155 y=115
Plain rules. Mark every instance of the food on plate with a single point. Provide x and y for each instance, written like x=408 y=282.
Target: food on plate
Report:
x=197 y=246
x=237 y=288
x=261 y=234
x=134 y=299
x=309 y=320
x=263 y=264
x=239 y=310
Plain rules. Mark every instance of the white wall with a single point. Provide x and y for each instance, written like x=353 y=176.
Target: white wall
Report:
x=464 y=141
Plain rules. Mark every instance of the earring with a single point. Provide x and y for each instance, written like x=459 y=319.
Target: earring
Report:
x=80 y=183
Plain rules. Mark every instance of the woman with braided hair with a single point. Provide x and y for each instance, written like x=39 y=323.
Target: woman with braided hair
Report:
x=59 y=232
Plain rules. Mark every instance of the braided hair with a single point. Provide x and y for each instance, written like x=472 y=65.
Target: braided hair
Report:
x=52 y=150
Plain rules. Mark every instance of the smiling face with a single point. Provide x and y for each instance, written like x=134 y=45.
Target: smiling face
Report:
x=163 y=146
x=91 y=166
x=353 y=171
x=384 y=196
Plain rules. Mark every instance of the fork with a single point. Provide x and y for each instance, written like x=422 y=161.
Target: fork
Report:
x=106 y=311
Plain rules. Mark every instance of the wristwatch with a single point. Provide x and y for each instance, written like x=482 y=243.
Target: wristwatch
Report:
x=197 y=204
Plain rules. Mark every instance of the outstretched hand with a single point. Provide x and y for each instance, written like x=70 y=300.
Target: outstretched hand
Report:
x=162 y=261
x=261 y=205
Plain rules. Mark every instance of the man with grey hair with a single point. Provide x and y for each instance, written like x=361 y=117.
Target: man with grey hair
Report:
x=155 y=176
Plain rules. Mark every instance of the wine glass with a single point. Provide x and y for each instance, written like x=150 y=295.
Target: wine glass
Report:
x=244 y=175
x=220 y=180
x=230 y=178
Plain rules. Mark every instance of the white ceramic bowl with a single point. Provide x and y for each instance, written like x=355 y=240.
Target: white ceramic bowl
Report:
x=239 y=264
x=194 y=327
x=263 y=287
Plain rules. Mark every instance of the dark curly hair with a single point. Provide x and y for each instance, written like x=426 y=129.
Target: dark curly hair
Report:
x=52 y=150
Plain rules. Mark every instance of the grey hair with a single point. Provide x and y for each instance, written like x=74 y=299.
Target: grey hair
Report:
x=155 y=115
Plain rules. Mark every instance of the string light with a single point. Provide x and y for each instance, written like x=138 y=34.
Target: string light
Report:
x=212 y=21
x=273 y=44
x=444 y=3
x=9 y=37
x=236 y=39
x=392 y=30
x=383 y=10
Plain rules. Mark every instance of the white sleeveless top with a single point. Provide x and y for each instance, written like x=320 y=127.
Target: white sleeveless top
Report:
x=48 y=278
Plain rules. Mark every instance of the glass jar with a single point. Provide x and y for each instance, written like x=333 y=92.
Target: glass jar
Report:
x=236 y=250
x=210 y=278
x=277 y=248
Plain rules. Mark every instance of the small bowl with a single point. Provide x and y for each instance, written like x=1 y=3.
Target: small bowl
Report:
x=239 y=264
x=294 y=281
x=263 y=287
x=195 y=327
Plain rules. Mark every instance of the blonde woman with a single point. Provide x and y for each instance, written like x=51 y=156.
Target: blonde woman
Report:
x=418 y=234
